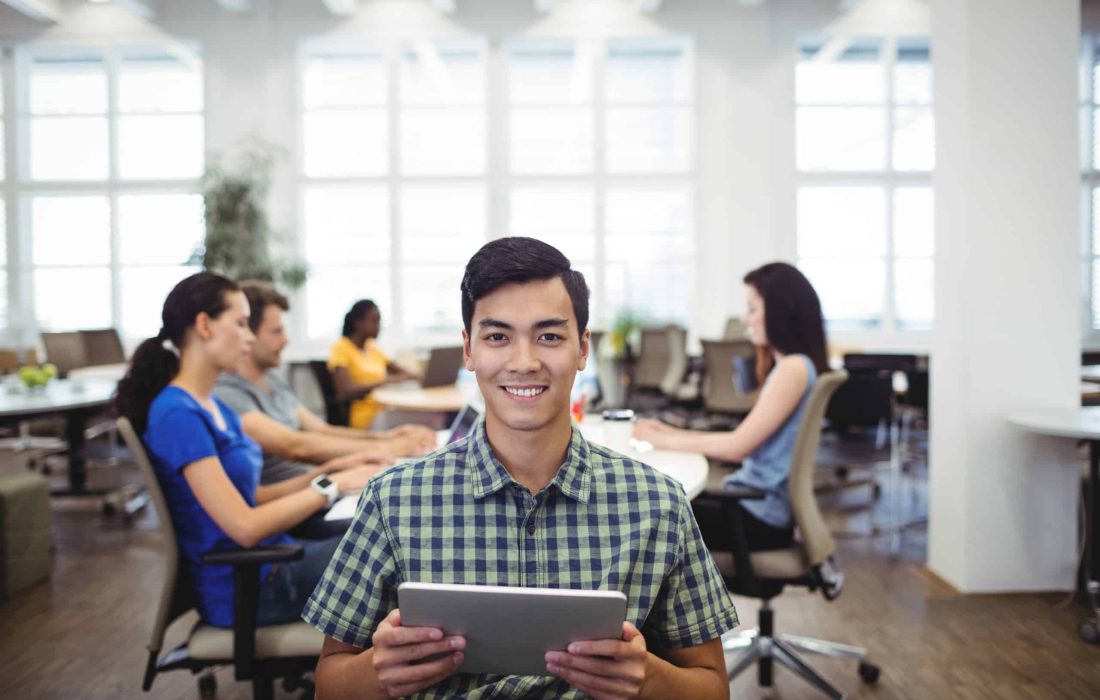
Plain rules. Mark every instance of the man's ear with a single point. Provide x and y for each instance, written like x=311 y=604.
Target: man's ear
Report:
x=466 y=356
x=586 y=346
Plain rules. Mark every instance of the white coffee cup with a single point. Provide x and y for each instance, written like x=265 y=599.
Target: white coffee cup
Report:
x=618 y=429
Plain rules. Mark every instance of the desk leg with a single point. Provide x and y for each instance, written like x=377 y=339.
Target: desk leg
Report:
x=78 y=470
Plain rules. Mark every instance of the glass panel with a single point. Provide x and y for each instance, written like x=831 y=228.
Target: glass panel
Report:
x=68 y=148
x=913 y=83
x=330 y=292
x=649 y=209
x=562 y=215
x=851 y=290
x=914 y=139
x=841 y=138
x=853 y=77
x=68 y=86
x=914 y=222
x=4 y=296
x=441 y=223
x=3 y=238
x=159 y=229
x=71 y=231
x=347 y=224
x=551 y=141
x=142 y=294
x=431 y=293
x=443 y=142
x=647 y=70
x=346 y=143
x=344 y=81
x=1096 y=293
x=1096 y=221
x=438 y=74
x=639 y=287
x=159 y=84
x=160 y=147
x=841 y=221
x=648 y=140
x=1096 y=139
x=58 y=308
x=550 y=72
x=913 y=293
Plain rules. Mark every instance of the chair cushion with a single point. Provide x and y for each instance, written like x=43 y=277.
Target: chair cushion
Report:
x=289 y=640
x=783 y=564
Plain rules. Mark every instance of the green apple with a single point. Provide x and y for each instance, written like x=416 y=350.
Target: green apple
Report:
x=50 y=370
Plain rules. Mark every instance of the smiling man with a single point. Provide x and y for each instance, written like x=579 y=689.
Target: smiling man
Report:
x=524 y=501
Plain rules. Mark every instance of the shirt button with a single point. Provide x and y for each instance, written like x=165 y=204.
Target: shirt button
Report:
x=531 y=528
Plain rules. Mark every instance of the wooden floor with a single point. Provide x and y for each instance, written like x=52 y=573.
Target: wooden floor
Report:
x=82 y=634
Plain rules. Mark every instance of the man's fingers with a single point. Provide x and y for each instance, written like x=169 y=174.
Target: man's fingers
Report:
x=406 y=680
x=601 y=647
x=399 y=636
x=592 y=684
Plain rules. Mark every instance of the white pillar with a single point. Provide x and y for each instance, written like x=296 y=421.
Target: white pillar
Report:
x=1003 y=503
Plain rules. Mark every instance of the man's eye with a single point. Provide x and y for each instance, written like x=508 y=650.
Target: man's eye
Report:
x=550 y=337
x=495 y=337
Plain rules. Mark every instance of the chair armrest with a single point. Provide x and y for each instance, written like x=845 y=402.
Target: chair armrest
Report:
x=734 y=492
x=246 y=596
x=255 y=556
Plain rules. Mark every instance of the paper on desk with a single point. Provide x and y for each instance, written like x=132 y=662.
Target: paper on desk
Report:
x=344 y=509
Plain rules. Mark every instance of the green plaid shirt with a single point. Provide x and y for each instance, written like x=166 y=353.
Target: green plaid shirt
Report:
x=606 y=522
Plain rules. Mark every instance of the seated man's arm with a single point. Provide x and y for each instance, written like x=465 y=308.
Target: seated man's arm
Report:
x=402 y=440
x=386 y=670
x=612 y=668
x=301 y=446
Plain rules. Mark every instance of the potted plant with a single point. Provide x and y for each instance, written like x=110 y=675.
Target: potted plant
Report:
x=237 y=231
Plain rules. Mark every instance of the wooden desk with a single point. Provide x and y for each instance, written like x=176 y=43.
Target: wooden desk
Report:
x=439 y=399
x=1077 y=424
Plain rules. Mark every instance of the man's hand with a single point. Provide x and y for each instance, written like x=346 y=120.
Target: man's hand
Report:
x=604 y=668
x=397 y=648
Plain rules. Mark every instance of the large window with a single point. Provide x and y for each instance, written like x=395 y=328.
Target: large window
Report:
x=414 y=158
x=110 y=145
x=1090 y=178
x=864 y=153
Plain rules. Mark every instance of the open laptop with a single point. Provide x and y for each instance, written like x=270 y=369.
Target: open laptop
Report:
x=463 y=424
x=443 y=366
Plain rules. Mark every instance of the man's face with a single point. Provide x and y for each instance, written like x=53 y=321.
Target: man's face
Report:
x=270 y=339
x=525 y=348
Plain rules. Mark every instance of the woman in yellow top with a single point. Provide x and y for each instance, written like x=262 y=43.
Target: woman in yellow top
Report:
x=358 y=365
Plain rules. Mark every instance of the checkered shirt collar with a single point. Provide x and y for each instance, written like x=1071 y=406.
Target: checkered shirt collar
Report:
x=573 y=478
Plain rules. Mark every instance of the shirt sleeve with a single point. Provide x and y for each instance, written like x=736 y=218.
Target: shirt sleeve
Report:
x=180 y=437
x=695 y=606
x=238 y=399
x=339 y=357
x=359 y=587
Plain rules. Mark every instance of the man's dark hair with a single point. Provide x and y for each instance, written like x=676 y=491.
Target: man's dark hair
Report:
x=519 y=259
x=261 y=295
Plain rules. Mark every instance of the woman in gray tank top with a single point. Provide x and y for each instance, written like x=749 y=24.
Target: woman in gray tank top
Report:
x=785 y=324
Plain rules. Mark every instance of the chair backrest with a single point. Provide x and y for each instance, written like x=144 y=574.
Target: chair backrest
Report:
x=735 y=329
x=866 y=399
x=9 y=360
x=651 y=364
x=336 y=412
x=66 y=350
x=594 y=344
x=176 y=596
x=868 y=362
x=677 y=360
x=817 y=542
x=722 y=389
x=102 y=346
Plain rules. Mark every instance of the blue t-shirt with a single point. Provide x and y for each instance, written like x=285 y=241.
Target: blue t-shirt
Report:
x=768 y=468
x=179 y=432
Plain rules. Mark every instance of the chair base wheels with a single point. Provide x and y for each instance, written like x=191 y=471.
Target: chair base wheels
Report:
x=868 y=672
x=1089 y=631
x=208 y=686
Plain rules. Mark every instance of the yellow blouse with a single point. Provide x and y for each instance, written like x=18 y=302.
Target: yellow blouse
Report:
x=365 y=365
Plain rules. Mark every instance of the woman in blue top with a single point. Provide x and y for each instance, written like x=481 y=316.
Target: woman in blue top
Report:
x=208 y=468
x=785 y=323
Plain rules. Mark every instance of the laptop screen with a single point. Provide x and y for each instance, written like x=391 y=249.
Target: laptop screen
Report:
x=463 y=423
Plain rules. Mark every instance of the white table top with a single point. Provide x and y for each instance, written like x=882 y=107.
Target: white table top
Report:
x=1079 y=423
x=57 y=396
x=113 y=372
x=689 y=468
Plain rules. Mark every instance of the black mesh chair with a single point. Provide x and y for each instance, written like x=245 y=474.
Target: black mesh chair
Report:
x=337 y=410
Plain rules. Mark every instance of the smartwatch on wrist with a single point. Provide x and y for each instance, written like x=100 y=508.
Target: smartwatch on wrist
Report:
x=326 y=487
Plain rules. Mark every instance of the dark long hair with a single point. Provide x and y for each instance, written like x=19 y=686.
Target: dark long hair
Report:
x=792 y=316
x=357 y=313
x=154 y=364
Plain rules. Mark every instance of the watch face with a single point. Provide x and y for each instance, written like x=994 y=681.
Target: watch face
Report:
x=324 y=482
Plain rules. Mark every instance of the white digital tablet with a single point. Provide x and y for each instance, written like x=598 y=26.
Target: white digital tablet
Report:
x=509 y=629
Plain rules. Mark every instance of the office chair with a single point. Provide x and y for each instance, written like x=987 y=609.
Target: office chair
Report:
x=337 y=410
x=257 y=654
x=65 y=350
x=102 y=346
x=659 y=369
x=725 y=365
x=735 y=329
x=809 y=562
